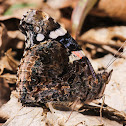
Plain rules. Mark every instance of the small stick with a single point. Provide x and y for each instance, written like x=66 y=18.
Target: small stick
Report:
x=108 y=112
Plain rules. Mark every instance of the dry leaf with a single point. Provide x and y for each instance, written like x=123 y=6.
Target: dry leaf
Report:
x=56 y=4
x=10 y=22
x=12 y=62
x=3 y=37
x=4 y=64
x=16 y=35
x=109 y=39
x=112 y=8
x=8 y=62
x=10 y=78
x=4 y=4
x=66 y=23
x=4 y=91
x=53 y=12
x=19 y=115
x=106 y=35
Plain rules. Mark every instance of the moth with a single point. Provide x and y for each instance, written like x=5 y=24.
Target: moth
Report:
x=45 y=73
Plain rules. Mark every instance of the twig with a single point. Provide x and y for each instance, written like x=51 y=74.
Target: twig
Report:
x=107 y=111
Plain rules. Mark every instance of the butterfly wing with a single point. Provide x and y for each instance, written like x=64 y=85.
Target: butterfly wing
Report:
x=40 y=73
x=38 y=26
x=45 y=73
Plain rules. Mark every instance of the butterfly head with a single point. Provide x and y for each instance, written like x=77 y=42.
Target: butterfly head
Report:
x=103 y=79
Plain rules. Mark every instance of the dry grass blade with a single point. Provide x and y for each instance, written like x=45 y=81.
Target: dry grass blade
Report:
x=79 y=14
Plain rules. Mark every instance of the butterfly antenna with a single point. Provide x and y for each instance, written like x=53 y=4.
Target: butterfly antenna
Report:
x=115 y=55
x=115 y=59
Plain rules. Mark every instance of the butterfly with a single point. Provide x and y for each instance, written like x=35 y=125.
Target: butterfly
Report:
x=46 y=74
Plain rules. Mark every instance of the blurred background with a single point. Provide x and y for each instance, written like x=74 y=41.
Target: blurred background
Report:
x=99 y=27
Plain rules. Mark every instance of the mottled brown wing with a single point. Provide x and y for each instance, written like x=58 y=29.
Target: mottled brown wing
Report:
x=45 y=74
x=38 y=80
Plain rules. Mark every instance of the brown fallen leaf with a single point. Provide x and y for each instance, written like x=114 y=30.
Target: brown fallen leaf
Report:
x=66 y=23
x=4 y=4
x=2 y=66
x=3 y=38
x=8 y=62
x=16 y=35
x=109 y=39
x=4 y=91
x=59 y=4
x=53 y=12
x=112 y=8
x=20 y=115
x=10 y=78
x=12 y=62
x=17 y=38
x=106 y=35
x=11 y=22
